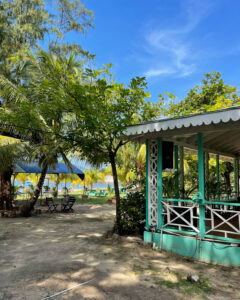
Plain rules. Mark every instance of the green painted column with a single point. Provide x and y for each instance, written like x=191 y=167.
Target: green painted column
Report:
x=159 y=184
x=201 y=182
x=235 y=177
x=176 y=170
x=218 y=177
x=147 y=172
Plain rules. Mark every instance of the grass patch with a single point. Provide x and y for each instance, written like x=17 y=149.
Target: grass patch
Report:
x=175 y=280
x=138 y=269
x=91 y=199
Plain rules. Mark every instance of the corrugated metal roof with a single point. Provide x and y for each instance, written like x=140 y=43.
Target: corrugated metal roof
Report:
x=221 y=131
x=215 y=117
x=61 y=168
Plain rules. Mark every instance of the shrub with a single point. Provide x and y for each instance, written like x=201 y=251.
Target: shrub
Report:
x=133 y=213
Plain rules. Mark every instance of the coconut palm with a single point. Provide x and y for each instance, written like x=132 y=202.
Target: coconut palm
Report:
x=47 y=156
x=22 y=177
x=32 y=106
x=101 y=177
x=132 y=160
x=91 y=177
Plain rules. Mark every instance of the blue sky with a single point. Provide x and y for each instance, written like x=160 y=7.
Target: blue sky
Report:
x=171 y=42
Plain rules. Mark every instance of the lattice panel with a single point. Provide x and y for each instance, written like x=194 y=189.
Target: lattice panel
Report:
x=223 y=221
x=181 y=217
x=152 y=183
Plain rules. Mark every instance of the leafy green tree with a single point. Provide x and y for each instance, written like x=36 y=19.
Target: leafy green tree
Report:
x=213 y=94
x=37 y=125
x=110 y=108
x=88 y=110
x=94 y=109
x=25 y=23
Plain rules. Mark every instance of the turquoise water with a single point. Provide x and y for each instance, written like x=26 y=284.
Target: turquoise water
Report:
x=62 y=185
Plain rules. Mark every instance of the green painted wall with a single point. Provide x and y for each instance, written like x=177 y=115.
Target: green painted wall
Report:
x=187 y=246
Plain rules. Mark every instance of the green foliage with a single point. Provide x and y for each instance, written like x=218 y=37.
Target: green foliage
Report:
x=91 y=177
x=168 y=184
x=110 y=108
x=190 y=175
x=132 y=210
x=131 y=162
x=212 y=95
x=71 y=109
x=24 y=23
x=10 y=151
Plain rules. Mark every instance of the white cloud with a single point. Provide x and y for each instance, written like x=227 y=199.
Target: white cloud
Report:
x=171 y=49
x=158 y=72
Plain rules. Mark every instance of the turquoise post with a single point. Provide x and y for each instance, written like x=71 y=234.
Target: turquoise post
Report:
x=176 y=170
x=147 y=220
x=159 y=183
x=235 y=178
x=201 y=184
x=218 y=177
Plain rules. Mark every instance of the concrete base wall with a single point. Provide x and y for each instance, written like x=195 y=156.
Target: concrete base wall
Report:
x=190 y=247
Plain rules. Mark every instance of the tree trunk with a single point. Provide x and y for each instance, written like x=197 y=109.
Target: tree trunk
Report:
x=84 y=186
x=5 y=190
x=1 y=199
x=56 y=185
x=116 y=189
x=27 y=209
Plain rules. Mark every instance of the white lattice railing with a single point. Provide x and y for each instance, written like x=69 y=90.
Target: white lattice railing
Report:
x=223 y=220
x=152 y=183
x=181 y=214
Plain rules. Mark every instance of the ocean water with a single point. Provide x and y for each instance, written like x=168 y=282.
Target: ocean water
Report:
x=61 y=185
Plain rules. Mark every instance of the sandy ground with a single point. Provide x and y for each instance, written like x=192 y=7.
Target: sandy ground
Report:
x=45 y=254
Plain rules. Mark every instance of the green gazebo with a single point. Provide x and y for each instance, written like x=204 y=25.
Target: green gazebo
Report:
x=203 y=227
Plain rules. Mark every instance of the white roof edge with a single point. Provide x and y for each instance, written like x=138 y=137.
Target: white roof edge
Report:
x=215 y=117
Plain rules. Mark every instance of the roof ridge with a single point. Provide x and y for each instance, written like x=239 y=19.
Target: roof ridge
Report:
x=187 y=116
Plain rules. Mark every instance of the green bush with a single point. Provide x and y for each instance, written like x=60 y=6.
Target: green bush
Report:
x=133 y=213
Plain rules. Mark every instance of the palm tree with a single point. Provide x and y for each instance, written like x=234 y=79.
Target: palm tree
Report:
x=47 y=156
x=55 y=178
x=22 y=178
x=101 y=176
x=132 y=160
x=37 y=119
x=91 y=177
x=77 y=181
